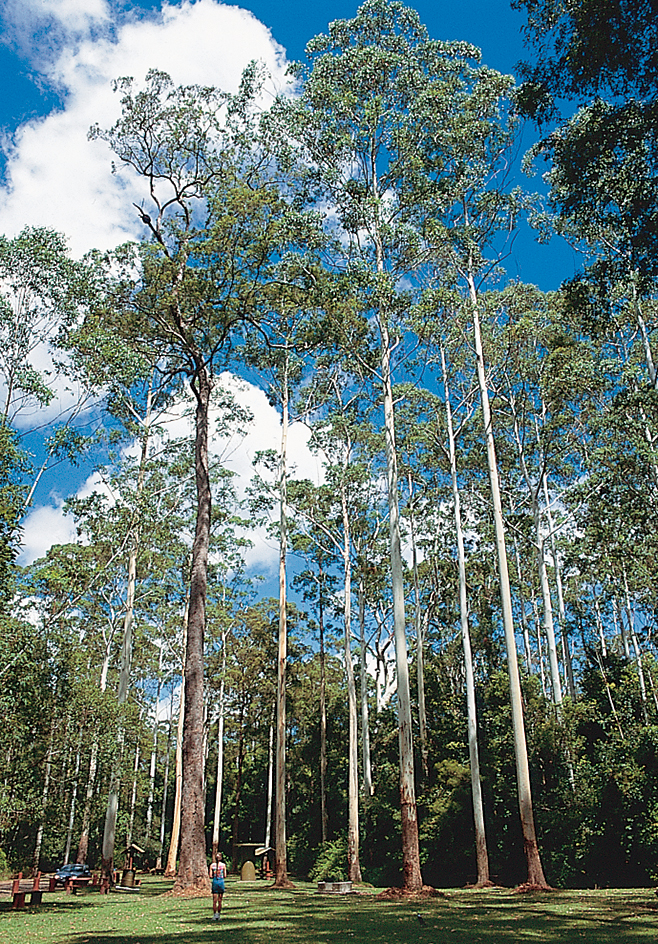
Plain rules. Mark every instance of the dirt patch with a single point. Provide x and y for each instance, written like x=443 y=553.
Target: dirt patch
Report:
x=397 y=894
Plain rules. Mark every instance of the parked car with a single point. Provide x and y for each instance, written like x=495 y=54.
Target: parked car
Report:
x=72 y=870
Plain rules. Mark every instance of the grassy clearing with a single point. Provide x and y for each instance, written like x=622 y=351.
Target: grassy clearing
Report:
x=255 y=914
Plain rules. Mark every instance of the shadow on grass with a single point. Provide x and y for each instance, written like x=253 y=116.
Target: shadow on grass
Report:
x=257 y=914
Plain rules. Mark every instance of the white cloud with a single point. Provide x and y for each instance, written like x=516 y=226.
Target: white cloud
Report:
x=55 y=176
x=43 y=527
x=40 y=27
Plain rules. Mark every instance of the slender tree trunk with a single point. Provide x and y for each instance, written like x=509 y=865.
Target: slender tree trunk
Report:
x=568 y=664
x=44 y=799
x=368 y=786
x=220 y=756
x=540 y=648
x=109 y=831
x=280 y=868
x=412 y=878
x=524 y=615
x=418 y=624
x=547 y=604
x=154 y=751
x=353 y=865
x=270 y=783
x=235 y=827
x=174 y=842
x=133 y=795
x=531 y=849
x=323 y=714
x=74 y=797
x=481 y=854
x=165 y=786
x=599 y=623
x=83 y=843
x=636 y=648
x=192 y=869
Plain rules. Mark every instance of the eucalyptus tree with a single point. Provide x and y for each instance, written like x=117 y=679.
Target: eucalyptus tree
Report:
x=374 y=117
x=474 y=211
x=217 y=221
x=329 y=512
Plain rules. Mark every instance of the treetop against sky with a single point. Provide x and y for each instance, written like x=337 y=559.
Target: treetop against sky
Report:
x=58 y=60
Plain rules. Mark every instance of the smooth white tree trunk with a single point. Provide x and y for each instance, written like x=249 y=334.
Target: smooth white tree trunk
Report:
x=531 y=849
x=481 y=854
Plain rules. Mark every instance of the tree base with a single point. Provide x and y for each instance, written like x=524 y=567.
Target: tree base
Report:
x=396 y=893
x=286 y=883
x=531 y=887
x=199 y=890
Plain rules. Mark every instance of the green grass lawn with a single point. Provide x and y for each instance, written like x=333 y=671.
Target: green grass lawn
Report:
x=255 y=914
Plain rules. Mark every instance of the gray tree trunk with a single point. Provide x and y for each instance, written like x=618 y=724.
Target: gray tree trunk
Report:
x=531 y=849
x=481 y=854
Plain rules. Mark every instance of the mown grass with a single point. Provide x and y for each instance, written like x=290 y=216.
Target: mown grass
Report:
x=255 y=914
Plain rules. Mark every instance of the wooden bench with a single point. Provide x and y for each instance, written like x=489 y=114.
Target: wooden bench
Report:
x=19 y=887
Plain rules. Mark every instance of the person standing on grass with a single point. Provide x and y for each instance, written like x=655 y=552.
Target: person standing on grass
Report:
x=217 y=873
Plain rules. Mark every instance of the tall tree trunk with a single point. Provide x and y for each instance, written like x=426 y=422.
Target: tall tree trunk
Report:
x=524 y=615
x=531 y=849
x=368 y=786
x=636 y=648
x=412 y=878
x=193 y=870
x=174 y=842
x=235 y=826
x=83 y=843
x=481 y=854
x=418 y=624
x=353 y=865
x=599 y=623
x=540 y=549
x=154 y=751
x=165 y=786
x=74 y=797
x=568 y=664
x=133 y=795
x=220 y=756
x=280 y=867
x=323 y=715
x=44 y=799
x=270 y=783
x=109 y=831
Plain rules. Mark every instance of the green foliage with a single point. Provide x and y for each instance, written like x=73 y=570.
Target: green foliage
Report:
x=330 y=864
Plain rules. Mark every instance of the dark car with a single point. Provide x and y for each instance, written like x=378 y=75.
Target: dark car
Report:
x=72 y=870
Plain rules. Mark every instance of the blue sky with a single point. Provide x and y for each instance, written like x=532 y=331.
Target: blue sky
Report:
x=57 y=60
x=490 y=24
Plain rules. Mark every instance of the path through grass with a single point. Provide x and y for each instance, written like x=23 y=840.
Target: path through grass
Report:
x=255 y=914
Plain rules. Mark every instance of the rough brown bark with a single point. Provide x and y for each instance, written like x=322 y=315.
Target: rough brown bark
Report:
x=192 y=869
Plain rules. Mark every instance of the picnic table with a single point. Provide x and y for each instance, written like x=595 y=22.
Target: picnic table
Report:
x=19 y=887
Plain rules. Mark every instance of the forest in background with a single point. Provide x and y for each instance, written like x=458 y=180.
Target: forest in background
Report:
x=489 y=455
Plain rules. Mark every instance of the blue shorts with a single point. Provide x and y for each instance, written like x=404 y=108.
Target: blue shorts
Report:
x=218 y=886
